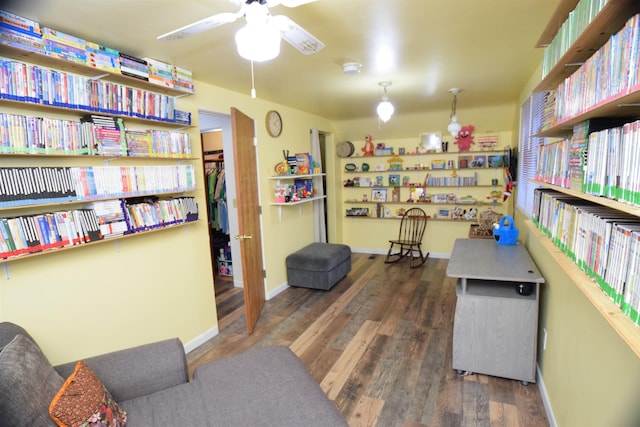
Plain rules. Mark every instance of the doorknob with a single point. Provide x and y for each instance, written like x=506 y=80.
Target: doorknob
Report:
x=242 y=237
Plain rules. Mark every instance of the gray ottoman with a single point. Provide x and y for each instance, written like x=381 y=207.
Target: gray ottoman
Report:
x=318 y=265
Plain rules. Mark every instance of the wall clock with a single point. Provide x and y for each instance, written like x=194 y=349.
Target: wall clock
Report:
x=273 y=122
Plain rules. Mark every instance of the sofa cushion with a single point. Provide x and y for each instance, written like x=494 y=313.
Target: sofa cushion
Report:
x=178 y=406
x=84 y=401
x=28 y=382
x=266 y=386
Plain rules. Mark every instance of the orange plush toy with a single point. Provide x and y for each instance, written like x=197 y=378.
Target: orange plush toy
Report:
x=368 y=146
x=465 y=138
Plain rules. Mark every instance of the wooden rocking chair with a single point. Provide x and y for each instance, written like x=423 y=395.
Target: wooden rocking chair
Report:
x=409 y=241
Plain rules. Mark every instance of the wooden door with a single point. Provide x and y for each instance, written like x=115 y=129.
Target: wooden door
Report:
x=245 y=167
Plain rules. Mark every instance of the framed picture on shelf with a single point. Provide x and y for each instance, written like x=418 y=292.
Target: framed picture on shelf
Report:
x=394 y=180
x=444 y=213
x=379 y=195
x=479 y=161
x=495 y=161
x=430 y=142
x=464 y=162
x=440 y=198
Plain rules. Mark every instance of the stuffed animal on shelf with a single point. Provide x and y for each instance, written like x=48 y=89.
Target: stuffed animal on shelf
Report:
x=471 y=215
x=368 y=146
x=465 y=138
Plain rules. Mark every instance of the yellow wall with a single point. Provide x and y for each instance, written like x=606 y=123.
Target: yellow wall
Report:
x=402 y=131
x=117 y=294
x=591 y=376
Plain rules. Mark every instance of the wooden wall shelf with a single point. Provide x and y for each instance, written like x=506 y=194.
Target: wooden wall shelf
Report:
x=620 y=322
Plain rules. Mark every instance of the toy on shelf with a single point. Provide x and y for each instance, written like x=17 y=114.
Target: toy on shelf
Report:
x=395 y=163
x=494 y=196
x=484 y=228
x=368 y=146
x=465 y=138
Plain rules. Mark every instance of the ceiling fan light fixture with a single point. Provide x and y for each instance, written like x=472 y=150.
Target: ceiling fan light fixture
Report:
x=385 y=108
x=258 y=42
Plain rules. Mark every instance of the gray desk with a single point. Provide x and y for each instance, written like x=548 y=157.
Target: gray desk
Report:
x=495 y=329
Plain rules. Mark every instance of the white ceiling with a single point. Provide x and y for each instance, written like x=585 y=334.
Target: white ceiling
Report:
x=485 y=47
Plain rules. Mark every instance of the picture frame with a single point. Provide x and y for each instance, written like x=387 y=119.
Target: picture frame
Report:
x=479 y=161
x=379 y=195
x=440 y=198
x=430 y=142
x=394 y=180
x=444 y=213
x=495 y=161
x=464 y=162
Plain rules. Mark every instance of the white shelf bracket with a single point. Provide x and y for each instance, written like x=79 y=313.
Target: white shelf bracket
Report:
x=5 y=267
x=117 y=242
x=100 y=77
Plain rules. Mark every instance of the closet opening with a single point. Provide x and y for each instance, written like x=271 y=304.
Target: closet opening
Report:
x=217 y=156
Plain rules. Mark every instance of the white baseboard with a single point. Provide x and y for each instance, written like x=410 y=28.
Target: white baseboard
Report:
x=384 y=252
x=277 y=290
x=545 y=399
x=201 y=339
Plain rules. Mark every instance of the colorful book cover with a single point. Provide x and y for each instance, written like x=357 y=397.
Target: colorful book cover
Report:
x=464 y=162
x=479 y=161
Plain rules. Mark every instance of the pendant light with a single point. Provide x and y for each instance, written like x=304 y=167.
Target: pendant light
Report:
x=385 y=108
x=455 y=126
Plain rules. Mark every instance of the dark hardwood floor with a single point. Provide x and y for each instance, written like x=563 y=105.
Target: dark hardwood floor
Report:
x=379 y=344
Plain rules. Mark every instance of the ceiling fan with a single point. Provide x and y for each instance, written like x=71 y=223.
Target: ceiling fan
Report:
x=259 y=40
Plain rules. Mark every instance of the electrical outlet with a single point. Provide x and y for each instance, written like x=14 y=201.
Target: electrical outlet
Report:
x=544 y=339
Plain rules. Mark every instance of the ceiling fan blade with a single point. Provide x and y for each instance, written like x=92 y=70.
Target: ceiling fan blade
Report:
x=202 y=25
x=297 y=36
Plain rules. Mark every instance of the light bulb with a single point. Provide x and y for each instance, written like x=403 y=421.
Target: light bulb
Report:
x=454 y=127
x=258 y=41
x=385 y=109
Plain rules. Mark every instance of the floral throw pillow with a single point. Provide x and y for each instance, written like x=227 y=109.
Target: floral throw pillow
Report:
x=83 y=401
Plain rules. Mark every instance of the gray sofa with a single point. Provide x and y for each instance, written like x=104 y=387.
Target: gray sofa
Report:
x=262 y=387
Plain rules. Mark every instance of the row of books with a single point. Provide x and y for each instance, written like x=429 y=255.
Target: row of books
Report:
x=20 y=32
x=552 y=164
x=578 y=19
x=92 y=135
x=99 y=220
x=148 y=214
x=610 y=72
x=29 y=83
x=25 y=186
x=603 y=242
x=605 y=163
x=26 y=34
x=451 y=181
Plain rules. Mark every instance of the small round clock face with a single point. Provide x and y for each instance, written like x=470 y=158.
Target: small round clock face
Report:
x=274 y=123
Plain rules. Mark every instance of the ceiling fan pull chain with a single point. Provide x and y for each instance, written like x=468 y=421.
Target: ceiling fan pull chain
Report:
x=253 y=85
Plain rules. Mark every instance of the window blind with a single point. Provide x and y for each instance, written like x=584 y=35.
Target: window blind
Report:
x=531 y=116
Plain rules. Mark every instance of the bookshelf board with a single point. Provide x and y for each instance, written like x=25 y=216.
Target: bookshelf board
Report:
x=626 y=104
x=445 y=178
x=14 y=205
